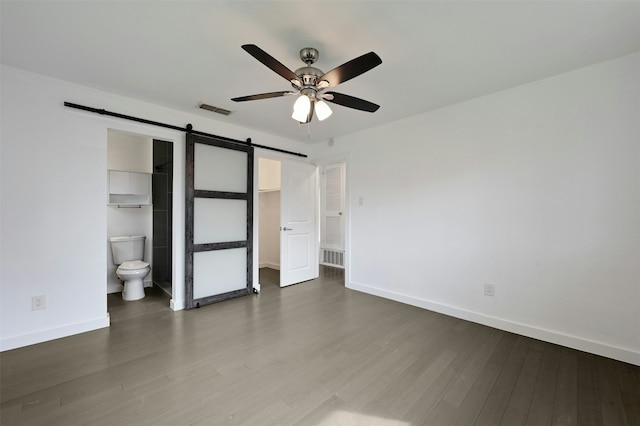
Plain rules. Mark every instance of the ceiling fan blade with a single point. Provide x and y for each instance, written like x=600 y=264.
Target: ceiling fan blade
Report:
x=261 y=96
x=351 y=69
x=351 y=102
x=271 y=62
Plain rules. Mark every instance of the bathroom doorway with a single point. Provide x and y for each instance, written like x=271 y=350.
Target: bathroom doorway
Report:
x=162 y=192
x=153 y=218
x=128 y=153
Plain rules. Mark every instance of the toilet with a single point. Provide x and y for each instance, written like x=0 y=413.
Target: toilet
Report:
x=128 y=253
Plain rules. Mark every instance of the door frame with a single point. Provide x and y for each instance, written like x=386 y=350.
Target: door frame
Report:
x=178 y=140
x=342 y=158
x=322 y=168
x=260 y=153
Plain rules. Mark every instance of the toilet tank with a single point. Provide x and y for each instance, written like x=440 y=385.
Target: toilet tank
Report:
x=125 y=249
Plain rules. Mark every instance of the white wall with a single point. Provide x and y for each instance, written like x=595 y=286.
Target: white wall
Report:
x=53 y=201
x=131 y=153
x=535 y=190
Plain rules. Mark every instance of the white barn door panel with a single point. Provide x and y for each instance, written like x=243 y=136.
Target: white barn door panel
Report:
x=218 y=220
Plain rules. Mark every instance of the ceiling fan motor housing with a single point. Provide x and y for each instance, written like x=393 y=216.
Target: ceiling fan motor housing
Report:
x=309 y=75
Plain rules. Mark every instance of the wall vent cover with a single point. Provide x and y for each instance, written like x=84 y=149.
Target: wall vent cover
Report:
x=215 y=109
x=332 y=258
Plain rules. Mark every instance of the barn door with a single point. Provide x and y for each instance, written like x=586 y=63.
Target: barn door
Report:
x=218 y=220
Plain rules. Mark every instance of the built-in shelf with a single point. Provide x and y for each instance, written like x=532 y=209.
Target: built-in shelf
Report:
x=129 y=188
x=268 y=175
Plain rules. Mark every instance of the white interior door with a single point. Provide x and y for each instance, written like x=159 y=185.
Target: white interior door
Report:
x=298 y=218
x=332 y=215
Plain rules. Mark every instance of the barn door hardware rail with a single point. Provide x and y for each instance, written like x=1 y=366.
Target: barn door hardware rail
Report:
x=188 y=129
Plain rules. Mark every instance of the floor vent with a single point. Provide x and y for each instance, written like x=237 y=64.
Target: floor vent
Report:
x=332 y=258
x=215 y=109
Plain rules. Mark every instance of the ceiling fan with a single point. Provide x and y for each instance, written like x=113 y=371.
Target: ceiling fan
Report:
x=311 y=83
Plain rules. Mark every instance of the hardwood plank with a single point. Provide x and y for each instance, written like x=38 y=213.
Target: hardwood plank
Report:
x=448 y=408
x=327 y=412
x=463 y=384
x=495 y=405
x=565 y=406
x=425 y=380
x=520 y=400
x=541 y=408
x=629 y=383
x=307 y=354
x=272 y=414
x=461 y=345
x=432 y=340
x=613 y=411
x=589 y=409
x=469 y=410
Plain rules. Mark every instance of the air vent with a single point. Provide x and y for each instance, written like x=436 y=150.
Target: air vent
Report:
x=215 y=109
x=332 y=258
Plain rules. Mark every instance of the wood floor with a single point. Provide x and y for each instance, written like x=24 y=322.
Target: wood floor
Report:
x=311 y=354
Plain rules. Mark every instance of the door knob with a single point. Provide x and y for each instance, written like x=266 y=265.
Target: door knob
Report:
x=286 y=229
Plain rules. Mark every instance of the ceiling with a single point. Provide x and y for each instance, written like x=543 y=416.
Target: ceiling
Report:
x=435 y=53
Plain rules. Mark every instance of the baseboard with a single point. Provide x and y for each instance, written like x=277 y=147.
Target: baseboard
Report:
x=176 y=305
x=114 y=288
x=331 y=265
x=551 y=336
x=270 y=265
x=53 y=333
x=118 y=288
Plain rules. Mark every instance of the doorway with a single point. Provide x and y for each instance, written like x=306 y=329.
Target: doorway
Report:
x=147 y=155
x=288 y=230
x=332 y=214
x=269 y=186
x=132 y=154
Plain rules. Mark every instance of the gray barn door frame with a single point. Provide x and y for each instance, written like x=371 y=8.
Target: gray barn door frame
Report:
x=191 y=194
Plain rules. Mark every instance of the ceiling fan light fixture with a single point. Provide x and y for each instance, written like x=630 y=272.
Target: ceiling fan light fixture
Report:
x=301 y=108
x=310 y=83
x=322 y=110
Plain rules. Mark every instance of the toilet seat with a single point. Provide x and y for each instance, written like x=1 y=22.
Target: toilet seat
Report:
x=131 y=273
x=133 y=265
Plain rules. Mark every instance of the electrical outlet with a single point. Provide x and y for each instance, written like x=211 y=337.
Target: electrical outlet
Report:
x=489 y=289
x=38 y=302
